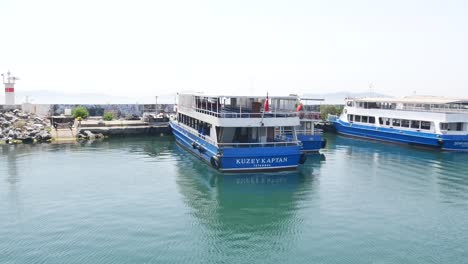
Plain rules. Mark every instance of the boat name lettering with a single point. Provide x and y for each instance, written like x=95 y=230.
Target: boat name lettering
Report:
x=461 y=143
x=261 y=180
x=261 y=160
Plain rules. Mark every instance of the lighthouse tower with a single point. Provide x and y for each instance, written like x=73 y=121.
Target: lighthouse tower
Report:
x=9 y=82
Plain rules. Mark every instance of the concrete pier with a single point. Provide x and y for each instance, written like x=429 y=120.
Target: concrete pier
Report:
x=124 y=127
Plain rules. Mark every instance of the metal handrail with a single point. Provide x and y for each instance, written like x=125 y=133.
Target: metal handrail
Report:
x=309 y=132
x=261 y=144
x=310 y=115
x=241 y=114
x=191 y=131
x=434 y=109
x=422 y=109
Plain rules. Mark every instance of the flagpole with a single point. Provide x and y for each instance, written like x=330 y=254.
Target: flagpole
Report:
x=263 y=113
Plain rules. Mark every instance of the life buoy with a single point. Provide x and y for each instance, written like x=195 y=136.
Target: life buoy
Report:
x=215 y=162
x=302 y=159
x=299 y=107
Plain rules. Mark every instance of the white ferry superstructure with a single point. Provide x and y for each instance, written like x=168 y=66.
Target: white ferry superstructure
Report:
x=239 y=133
x=437 y=122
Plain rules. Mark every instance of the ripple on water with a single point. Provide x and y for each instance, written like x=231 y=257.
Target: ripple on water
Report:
x=145 y=200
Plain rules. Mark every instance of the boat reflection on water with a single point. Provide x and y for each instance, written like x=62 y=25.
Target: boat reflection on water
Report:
x=407 y=165
x=239 y=211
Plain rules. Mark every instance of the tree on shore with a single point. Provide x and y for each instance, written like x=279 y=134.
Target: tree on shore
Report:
x=326 y=110
x=108 y=116
x=80 y=112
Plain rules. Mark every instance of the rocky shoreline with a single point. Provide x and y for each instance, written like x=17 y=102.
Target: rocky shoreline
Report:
x=88 y=135
x=19 y=127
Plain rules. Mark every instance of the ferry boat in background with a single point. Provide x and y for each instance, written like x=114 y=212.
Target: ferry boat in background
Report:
x=437 y=122
x=239 y=133
x=309 y=115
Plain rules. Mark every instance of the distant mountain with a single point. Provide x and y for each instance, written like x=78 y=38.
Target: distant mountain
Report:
x=338 y=97
x=55 y=97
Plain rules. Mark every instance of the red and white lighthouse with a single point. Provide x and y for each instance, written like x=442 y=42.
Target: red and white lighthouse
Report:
x=9 y=82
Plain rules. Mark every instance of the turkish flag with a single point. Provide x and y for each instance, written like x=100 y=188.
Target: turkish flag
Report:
x=266 y=107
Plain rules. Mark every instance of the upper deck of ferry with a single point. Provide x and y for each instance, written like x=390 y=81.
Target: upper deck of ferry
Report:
x=310 y=109
x=228 y=110
x=436 y=104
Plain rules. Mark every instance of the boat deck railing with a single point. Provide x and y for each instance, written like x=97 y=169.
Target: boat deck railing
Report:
x=200 y=135
x=289 y=133
x=260 y=144
x=434 y=109
x=424 y=109
x=242 y=113
x=309 y=131
x=277 y=143
x=310 y=115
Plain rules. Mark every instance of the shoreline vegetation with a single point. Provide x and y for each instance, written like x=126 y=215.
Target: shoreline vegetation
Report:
x=326 y=110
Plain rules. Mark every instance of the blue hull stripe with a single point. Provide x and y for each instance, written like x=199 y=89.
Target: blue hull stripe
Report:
x=187 y=136
x=311 y=143
x=240 y=159
x=253 y=169
x=445 y=142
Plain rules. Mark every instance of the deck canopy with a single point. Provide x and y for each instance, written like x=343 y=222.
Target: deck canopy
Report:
x=414 y=100
x=237 y=104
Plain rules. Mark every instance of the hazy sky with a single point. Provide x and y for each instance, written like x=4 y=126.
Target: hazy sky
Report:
x=158 y=47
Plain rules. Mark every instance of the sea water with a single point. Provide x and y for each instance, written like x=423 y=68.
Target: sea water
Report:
x=146 y=200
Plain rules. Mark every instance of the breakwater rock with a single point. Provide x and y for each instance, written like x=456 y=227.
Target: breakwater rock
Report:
x=19 y=127
x=86 y=134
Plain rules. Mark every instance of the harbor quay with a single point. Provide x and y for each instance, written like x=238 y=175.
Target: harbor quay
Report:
x=56 y=122
x=29 y=123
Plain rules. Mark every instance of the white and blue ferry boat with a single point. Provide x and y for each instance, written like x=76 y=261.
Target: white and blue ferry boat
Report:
x=239 y=133
x=437 y=122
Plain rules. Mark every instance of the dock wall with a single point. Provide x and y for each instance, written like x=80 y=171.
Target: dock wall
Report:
x=119 y=110
x=130 y=130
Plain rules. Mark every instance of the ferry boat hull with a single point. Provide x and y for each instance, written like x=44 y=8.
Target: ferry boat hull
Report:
x=239 y=159
x=444 y=142
x=311 y=143
x=455 y=143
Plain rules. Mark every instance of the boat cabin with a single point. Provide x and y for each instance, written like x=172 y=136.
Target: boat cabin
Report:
x=239 y=121
x=419 y=113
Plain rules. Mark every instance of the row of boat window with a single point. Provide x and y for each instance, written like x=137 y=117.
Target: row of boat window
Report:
x=372 y=105
x=457 y=126
x=384 y=105
x=391 y=122
x=203 y=128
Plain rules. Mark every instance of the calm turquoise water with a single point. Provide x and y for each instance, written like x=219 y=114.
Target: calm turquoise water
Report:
x=145 y=200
